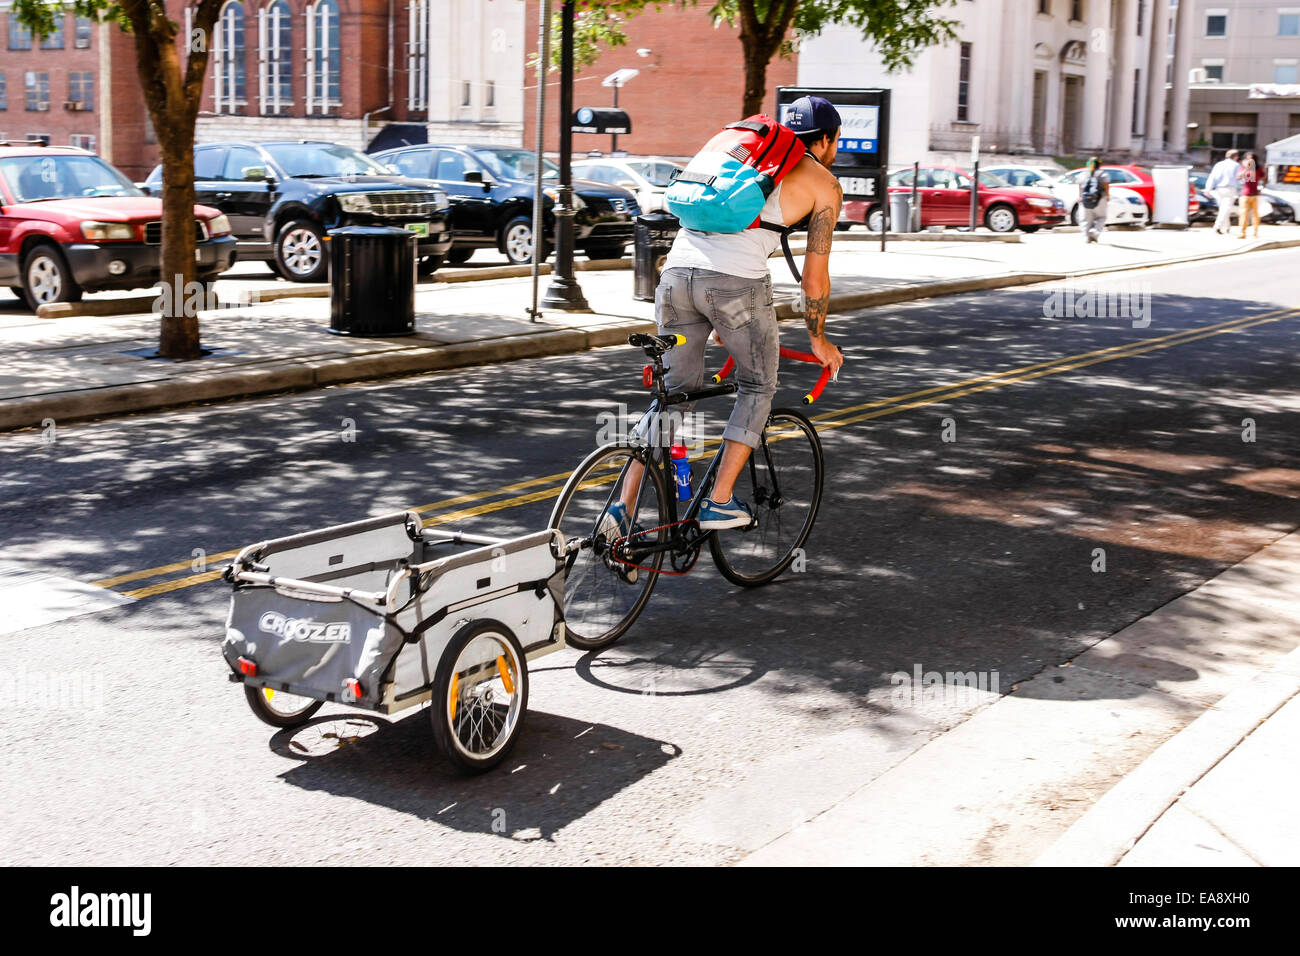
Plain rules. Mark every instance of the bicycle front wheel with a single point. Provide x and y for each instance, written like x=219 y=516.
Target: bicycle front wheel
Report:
x=603 y=592
x=782 y=484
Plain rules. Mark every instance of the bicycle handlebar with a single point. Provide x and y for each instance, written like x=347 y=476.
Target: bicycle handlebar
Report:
x=814 y=393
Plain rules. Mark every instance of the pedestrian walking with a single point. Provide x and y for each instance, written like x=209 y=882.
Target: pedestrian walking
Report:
x=1224 y=186
x=1249 y=179
x=1094 y=196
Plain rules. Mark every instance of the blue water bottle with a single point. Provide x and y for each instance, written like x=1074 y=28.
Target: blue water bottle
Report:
x=682 y=472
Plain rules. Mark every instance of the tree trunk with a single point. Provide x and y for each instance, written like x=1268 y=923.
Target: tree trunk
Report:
x=179 y=333
x=755 y=76
x=172 y=97
x=761 y=39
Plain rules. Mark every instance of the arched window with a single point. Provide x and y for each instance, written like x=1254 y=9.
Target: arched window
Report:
x=275 y=58
x=228 y=92
x=323 y=57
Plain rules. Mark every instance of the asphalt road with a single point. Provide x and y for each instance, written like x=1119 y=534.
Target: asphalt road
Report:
x=725 y=717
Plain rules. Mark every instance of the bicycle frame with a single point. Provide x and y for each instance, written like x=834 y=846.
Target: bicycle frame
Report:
x=645 y=437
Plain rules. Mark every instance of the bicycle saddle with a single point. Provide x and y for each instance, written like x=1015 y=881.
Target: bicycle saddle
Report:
x=655 y=344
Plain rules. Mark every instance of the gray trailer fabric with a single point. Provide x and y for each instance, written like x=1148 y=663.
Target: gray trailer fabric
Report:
x=310 y=647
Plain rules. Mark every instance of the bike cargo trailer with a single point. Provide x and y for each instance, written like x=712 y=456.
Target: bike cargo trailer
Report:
x=384 y=615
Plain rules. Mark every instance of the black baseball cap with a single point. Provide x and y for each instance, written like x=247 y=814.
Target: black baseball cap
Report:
x=810 y=114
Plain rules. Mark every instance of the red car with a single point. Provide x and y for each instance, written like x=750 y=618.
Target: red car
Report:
x=1137 y=179
x=71 y=223
x=945 y=201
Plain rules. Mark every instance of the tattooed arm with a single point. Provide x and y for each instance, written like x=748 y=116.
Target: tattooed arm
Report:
x=816 y=268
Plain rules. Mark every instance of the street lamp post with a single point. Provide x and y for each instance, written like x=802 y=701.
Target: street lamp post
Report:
x=613 y=137
x=564 y=293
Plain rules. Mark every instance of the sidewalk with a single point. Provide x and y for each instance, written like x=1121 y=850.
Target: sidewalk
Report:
x=1221 y=793
x=75 y=367
x=1170 y=743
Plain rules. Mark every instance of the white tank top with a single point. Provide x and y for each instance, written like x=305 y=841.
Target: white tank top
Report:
x=743 y=253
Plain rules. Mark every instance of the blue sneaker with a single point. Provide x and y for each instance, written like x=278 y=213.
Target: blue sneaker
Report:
x=616 y=524
x=734 y=514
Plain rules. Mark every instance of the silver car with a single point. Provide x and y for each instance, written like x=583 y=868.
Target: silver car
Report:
x=647 y=176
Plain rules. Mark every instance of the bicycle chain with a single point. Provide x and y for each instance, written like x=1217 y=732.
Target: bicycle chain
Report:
x=693 y=550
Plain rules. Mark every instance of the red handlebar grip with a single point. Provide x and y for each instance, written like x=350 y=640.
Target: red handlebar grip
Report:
x=728 y=367
x=816 y=392
x=799 y=356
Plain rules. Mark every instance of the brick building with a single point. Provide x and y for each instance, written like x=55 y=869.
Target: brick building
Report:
x=691 y=83
x=48 y=84
x=313 y=69
x=337 y=70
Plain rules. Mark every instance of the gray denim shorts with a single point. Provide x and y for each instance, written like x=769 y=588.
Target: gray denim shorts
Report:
x=696 y=303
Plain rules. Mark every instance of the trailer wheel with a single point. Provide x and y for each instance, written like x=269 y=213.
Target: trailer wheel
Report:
x=480 y=696
x=280 y=709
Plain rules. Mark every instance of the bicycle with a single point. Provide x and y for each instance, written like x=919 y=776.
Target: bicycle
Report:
x=609 y=575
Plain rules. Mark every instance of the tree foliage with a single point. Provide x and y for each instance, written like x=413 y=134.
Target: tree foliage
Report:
x=898 y=29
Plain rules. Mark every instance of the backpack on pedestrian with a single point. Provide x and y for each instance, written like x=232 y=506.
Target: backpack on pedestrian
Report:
x=725 y=186
x=1090 y=194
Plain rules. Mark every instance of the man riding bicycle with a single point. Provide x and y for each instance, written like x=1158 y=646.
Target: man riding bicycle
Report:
x=720 y=283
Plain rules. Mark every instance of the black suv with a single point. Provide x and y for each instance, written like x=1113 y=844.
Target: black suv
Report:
x=282 y=197
x=491 y=190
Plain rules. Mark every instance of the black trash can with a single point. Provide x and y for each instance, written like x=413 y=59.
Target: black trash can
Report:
x=654 y=237
x=372 y=281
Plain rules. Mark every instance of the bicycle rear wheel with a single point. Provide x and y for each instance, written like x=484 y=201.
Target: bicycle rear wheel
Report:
x=603 y=595
x=782 y=484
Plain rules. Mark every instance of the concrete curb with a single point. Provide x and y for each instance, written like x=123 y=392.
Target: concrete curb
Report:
x=1103 y=835
x=301 y=375
x=138 y=304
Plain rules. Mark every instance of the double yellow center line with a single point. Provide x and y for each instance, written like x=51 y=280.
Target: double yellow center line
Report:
x=450 y=510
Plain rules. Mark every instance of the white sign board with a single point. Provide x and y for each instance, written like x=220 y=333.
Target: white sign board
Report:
x=1172 y=183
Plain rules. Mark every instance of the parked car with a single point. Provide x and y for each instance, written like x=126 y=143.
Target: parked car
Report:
x=945 y=201
x=1273 y=207
x=491 y=189
x=1139 y=180
x=71 y=223
x=1285 y=203
x=283 y=197
x=1032 y=177
x=1126 y=208
x=647 y=176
